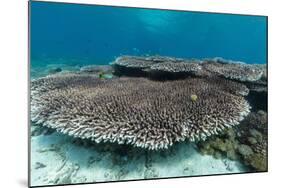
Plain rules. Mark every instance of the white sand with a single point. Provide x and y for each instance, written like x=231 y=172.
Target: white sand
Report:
x=59 y=159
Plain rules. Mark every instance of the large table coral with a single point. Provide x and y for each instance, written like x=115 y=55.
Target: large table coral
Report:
x=181 y=68
x=137 y=111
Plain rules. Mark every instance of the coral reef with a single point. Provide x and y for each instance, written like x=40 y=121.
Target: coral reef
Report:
x=259 y=86
x=220 y=146
x=135 y=61
x=246 y=142
x=137 y=111
x=233 y=70
x=175 y=68
x=253 y=76
x=132 y=65
x=148 y=66
x=188 y=67
x=263 y=68
x=110 y=120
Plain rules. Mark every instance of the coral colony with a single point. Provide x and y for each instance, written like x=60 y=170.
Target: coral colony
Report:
x=151 y=102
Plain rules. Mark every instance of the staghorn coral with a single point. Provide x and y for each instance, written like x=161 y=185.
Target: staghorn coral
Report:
x=233 y=70
x=137 y=111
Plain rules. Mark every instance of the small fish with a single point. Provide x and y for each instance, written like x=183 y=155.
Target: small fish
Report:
x=193 y=97
x=101 y=75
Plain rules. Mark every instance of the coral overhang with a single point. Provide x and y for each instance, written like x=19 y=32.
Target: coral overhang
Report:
x=137 y=111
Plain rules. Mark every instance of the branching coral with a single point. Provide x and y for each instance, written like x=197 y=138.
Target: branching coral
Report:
x=137 y=111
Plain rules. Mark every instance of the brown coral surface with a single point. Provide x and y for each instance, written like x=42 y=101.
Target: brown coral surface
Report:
x=137 y=111
x=246 y=142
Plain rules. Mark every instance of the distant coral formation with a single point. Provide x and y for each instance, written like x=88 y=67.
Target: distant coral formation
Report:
x=234 y=70
x=137 y=111
x=188 y=67
x=206 y=67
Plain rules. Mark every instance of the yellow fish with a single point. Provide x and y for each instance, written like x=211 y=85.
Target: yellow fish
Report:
x=193 y=97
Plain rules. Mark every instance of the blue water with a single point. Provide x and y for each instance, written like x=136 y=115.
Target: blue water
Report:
x=98 y=34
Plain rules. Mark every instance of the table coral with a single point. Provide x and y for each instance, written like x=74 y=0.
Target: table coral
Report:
x=137 y=111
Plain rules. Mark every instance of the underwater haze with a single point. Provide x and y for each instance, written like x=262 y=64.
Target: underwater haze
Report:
x=99 y=34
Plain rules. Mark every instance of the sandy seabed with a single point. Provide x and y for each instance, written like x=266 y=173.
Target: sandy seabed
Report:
x=61 y=159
